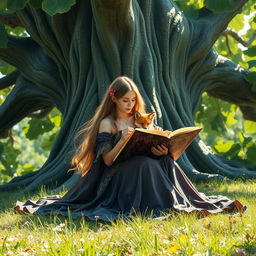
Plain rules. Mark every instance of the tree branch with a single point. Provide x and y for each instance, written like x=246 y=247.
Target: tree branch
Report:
x=226 y=81
x=11 y=20
x=228 y=45
x=20 y=52
x=234 y=34
x=9 y=79
x=25 y=98
x=208 y=27
x=36 y=66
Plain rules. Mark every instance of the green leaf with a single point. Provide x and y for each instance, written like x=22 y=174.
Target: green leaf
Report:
x=251 y=153
x=3 y=37
x=6 y=68
x=252 y=63
x=233 y=151
x=251 y=78
x=230 y=118
x=3 y=4
x=237 y=23
x=219 y=6
x=249 y=126
x=251 y=52
x=246 y=141
x=1 y=148
x=36 y=3
x=48 y=142
x=222 y=146
x=53 y=7
x=14 y=5
x=38 y=127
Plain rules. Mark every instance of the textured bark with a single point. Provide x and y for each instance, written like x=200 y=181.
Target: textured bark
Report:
x=77 y=54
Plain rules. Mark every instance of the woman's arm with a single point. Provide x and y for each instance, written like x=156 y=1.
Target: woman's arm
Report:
x=106 y=126
x=159 y=150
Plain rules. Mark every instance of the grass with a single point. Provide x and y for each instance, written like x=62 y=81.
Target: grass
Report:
x=179 y=234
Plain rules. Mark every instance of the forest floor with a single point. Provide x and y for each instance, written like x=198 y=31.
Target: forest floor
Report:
x=177 y=234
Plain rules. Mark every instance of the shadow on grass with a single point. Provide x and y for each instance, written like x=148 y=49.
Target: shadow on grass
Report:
x=215 y=189
x=8 y=199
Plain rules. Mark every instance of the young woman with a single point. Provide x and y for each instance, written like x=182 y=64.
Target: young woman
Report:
x=141 y=184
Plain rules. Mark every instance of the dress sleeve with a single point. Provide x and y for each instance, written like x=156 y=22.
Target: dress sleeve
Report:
x=104 y=141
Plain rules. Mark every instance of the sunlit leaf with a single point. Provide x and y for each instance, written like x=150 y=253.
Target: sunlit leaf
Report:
x=249 y=126
x=237 y=23
x=230 y=118
x=222 y=146
x=56 y=120
x=53 y=7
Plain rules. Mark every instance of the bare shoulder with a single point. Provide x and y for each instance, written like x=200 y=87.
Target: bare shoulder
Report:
x=106 y=125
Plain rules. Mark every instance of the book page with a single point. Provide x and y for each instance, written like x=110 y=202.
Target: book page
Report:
x=156 y=132
x=185 y=130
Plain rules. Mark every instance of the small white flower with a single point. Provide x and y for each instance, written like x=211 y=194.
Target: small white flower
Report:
x=165 y=241
x=222 y=244
x=59 y=228
x=11 y=239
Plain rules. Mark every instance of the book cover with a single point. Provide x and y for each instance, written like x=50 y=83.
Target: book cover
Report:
x=142 y=140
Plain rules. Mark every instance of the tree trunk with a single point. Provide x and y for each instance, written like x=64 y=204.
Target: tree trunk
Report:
x=71 y=58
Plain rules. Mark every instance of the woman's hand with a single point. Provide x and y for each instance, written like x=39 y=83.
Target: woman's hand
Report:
x=126 y=133
x=159 y=150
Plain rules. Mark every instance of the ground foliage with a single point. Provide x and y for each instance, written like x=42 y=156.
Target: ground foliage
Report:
x=178 y=234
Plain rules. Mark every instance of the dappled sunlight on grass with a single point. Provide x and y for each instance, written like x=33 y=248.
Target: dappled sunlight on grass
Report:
x=177 y=234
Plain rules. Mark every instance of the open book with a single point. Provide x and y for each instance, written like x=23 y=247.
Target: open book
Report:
x=142 y=140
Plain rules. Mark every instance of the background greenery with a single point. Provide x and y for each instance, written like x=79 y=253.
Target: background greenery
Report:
x=225 y=130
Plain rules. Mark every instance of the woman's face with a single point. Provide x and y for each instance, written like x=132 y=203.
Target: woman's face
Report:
x=126 y=103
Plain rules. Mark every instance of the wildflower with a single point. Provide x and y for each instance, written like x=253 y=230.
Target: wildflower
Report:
x=240 y=252
x=165 y=241
x=59 y=228
x=30 y=237
x=58 y=240
x=222 y=244
x=174 y=249
x=11 y=239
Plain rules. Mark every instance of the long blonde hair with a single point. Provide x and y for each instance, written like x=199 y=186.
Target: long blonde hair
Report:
x=84 y=156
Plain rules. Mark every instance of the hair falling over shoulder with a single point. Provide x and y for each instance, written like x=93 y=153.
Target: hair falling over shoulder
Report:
x=84 y=156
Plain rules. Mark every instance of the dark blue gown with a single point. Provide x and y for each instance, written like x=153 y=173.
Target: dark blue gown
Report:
x=145 y=185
